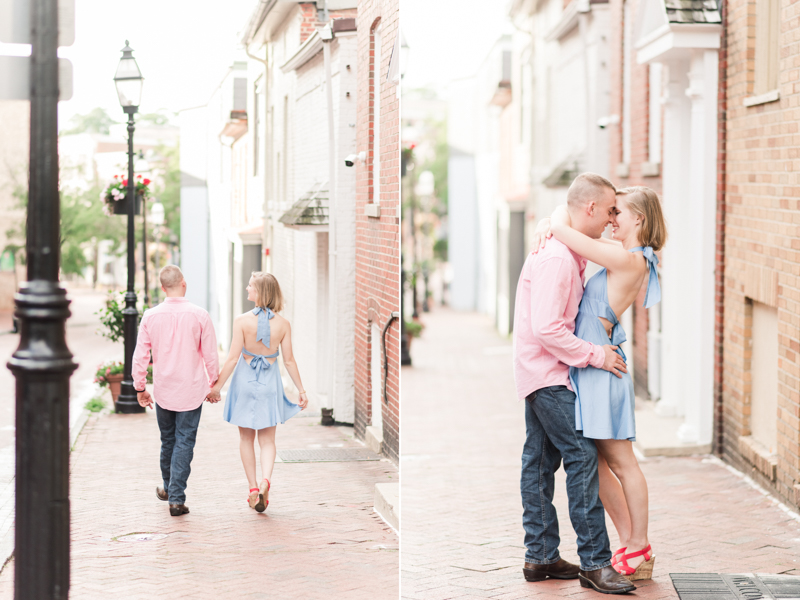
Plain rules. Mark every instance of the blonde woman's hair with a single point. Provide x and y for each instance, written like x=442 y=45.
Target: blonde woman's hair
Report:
x=587 y=187
x=268 y=291
x=645 y=203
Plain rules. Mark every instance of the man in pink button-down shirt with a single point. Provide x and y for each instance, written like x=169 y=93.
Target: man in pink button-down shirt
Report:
x=185 y=366
x=549 y=292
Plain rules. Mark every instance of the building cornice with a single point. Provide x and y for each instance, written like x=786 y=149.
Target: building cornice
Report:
x=568 y=20
x=308 y=50
x=674 y=40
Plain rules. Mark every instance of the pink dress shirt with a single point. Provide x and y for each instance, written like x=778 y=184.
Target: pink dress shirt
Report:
x=549 y=292
x=185 y=358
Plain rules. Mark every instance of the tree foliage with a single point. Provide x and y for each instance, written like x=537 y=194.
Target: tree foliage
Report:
x=169 y=194
x=95 y=121
x=83 y=224
x=438 y=165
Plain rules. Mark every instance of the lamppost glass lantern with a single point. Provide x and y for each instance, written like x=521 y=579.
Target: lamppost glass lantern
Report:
x=128 y=80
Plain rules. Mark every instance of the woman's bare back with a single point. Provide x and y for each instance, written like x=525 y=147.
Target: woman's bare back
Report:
x=278 y=327
x=624 y=286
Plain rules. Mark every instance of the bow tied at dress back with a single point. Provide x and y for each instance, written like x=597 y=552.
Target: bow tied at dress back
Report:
x=653 y=294
x=259 y=362
x=264 y=315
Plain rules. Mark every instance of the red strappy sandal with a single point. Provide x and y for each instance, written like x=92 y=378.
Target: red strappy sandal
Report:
x=643 y=571
x=614 y=558
x=251 y=499
x=263 y=496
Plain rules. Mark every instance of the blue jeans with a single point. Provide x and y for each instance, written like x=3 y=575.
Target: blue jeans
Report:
x=551 y=436
x=178 y=434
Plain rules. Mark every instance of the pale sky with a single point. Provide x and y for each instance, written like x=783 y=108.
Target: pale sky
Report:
x=448 y=39
x=183 y=48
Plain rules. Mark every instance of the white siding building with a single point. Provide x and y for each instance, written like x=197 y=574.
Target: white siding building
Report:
x=256 y=187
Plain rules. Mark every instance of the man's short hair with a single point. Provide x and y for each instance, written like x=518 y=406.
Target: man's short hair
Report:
x=170 y=277
x=587 y=187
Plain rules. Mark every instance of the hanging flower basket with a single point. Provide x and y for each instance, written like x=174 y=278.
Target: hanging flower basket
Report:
x=115 y=195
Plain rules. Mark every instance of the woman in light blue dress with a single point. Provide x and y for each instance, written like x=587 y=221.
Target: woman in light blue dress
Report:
x=256 y=401
x=604 y=404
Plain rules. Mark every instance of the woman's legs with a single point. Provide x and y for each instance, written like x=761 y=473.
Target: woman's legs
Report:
x=266 y=440
x=247 y=451
x=618 y=454
x=613 y=499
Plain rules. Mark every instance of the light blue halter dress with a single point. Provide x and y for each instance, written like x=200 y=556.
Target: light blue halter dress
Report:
x=255 y=396
x=604 y=403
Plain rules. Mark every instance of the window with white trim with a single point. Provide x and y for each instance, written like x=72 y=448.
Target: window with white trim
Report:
x=767 y=47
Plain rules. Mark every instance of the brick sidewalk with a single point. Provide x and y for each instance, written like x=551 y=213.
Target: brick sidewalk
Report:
x=463 y=432
x=319 y=538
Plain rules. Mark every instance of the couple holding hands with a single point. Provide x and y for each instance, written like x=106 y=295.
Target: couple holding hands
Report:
x=579 y=397
x=186 y=364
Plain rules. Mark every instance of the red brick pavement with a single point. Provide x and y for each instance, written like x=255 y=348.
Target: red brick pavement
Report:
x=319 y=538
x=463 y=431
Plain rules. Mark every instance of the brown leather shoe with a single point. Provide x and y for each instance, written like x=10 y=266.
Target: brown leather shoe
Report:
x=162 y=493
x=176 y=510
x=557 y=570
x=606 y=581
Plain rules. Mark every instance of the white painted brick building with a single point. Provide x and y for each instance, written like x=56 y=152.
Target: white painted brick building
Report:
x=281 y=155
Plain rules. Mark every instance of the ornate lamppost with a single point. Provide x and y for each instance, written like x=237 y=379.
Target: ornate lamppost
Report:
x=42 y=364
x=128 y=80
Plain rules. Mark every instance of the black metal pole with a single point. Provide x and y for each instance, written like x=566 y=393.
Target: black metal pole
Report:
x=405 y=356
x=415 y=311
x=127 y=401
x=425 y=306
x=42 y=364
x=157 y=230
x=144 y=253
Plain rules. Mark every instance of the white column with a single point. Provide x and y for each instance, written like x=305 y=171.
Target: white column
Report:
x=675 y=337
x=699 y=276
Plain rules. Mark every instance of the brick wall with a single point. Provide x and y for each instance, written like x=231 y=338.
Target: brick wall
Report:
x=639 y=154
x=378 y=238
x=762 y=246
x=310 y=18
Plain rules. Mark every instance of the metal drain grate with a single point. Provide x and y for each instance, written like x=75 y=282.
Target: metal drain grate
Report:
x=327 y=455
x=735 y=586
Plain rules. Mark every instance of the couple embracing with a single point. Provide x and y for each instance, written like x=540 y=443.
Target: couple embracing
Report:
x=579 y=397
x=186 y=374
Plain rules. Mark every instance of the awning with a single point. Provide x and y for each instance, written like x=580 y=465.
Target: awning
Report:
x=310 y=212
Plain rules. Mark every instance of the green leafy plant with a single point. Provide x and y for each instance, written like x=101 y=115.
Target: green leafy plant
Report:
x=414 y=328
x=104 y=370
x=118 y=189
x=95 y=405
x=112 y=319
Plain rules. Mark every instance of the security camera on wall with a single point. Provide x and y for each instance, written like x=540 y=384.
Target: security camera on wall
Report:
x=350 y=160
x=604 y=122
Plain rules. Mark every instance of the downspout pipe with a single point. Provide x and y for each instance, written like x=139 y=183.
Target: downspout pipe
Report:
x=394 y=315
x=326 y=34
x=267 y=232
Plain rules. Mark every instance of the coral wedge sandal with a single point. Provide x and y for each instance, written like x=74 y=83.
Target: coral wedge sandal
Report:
x=643 y=571
x=252 y=497
x=263 y=496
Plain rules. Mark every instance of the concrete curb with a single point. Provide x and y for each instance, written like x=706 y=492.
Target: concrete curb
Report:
x=387 y=503
x=7 y=489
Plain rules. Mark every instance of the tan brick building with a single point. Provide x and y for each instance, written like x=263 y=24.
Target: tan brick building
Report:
x=377 y=338
x=760 y=424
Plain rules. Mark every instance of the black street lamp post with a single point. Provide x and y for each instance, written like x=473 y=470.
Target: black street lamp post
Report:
x=42 y=364
x=128 y=80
